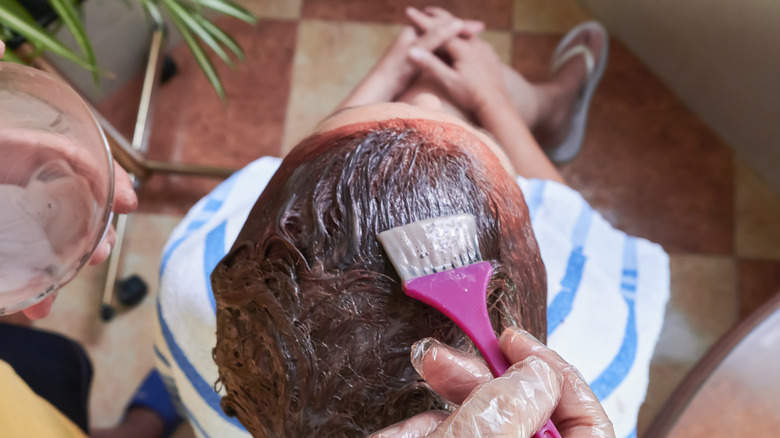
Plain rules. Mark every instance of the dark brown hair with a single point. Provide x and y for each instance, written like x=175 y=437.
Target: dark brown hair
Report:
x=313 y=329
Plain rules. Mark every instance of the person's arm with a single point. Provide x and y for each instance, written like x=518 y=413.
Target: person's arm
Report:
x=539 y=386
x=474 y=82
x=24 y=414
x=501 y=119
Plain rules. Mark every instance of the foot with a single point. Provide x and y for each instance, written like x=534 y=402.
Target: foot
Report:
x=558 y=96
x=547 y=107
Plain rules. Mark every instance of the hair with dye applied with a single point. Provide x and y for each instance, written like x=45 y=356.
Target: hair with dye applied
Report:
x=313 y=329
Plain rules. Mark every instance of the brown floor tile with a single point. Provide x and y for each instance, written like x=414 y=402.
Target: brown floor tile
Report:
x=548 y=15
x=496 y=14
x=759 y=280
x=287 y=9
x=121 y=108
x=648 y=164
x=757 y=216
x=192 y=125
x=166 y=194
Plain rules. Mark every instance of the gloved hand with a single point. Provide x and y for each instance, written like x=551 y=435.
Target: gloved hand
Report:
x=540 y=385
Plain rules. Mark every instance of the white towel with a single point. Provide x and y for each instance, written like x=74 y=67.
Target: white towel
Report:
x=606 y=297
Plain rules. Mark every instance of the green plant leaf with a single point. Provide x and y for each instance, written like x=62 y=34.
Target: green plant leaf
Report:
x=187 y=19
x=40 y=37
x=10 y=56
x=219 y=34
x=228 y=7
x=200 y=56
x=70 y=16
x=152 y=10
x=17 y=9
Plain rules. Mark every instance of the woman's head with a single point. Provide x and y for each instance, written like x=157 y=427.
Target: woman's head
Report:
x=313 y=329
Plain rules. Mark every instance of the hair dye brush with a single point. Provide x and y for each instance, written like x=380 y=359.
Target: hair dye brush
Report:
x=440 y=265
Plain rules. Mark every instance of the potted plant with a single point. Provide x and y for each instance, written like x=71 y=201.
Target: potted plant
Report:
x=188 y=16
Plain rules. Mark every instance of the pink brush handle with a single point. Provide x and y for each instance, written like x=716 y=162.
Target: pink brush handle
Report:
x=461 y=294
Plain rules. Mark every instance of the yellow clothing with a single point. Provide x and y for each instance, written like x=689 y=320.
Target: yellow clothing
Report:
x=24 y=414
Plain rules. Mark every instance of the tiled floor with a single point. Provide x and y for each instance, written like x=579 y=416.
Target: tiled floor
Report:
x=648 y=164
x=120 y=349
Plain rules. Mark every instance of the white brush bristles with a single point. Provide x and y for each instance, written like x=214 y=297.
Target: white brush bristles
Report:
x=432 y=245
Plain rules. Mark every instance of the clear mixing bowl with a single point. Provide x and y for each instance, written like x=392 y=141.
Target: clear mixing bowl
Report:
x=56 y=185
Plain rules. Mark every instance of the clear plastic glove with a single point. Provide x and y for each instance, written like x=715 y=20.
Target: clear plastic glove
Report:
x=540 y=385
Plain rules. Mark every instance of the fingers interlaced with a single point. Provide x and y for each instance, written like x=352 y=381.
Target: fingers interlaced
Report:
x=434 y=18
x=440 y=35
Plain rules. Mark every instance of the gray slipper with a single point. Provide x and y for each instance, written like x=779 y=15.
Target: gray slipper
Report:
x=570 y=146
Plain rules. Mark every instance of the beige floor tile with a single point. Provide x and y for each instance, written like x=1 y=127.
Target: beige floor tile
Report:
x=502 y=44
x=704 y=296
x=665 y=376
x=548 y=15
x=289 y=9
x=143 y=248
x=121 y=350
x=330 y=59
x=757 y=216
x=703 y=306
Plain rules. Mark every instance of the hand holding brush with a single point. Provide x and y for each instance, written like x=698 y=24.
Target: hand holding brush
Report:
x=440 y=264
x=538 y=385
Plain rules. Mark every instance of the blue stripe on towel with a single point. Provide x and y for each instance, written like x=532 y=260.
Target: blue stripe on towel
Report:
x=213 y=253
x=620 y=366
x=632 y=434
x=562 y=304
x=214 y=202
x=160 y=356
x=535 y=196
x=203 y=388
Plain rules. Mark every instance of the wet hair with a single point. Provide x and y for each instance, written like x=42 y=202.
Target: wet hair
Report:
x=313 y=329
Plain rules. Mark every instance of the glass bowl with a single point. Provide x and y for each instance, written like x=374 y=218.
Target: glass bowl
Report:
x=56 y=185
